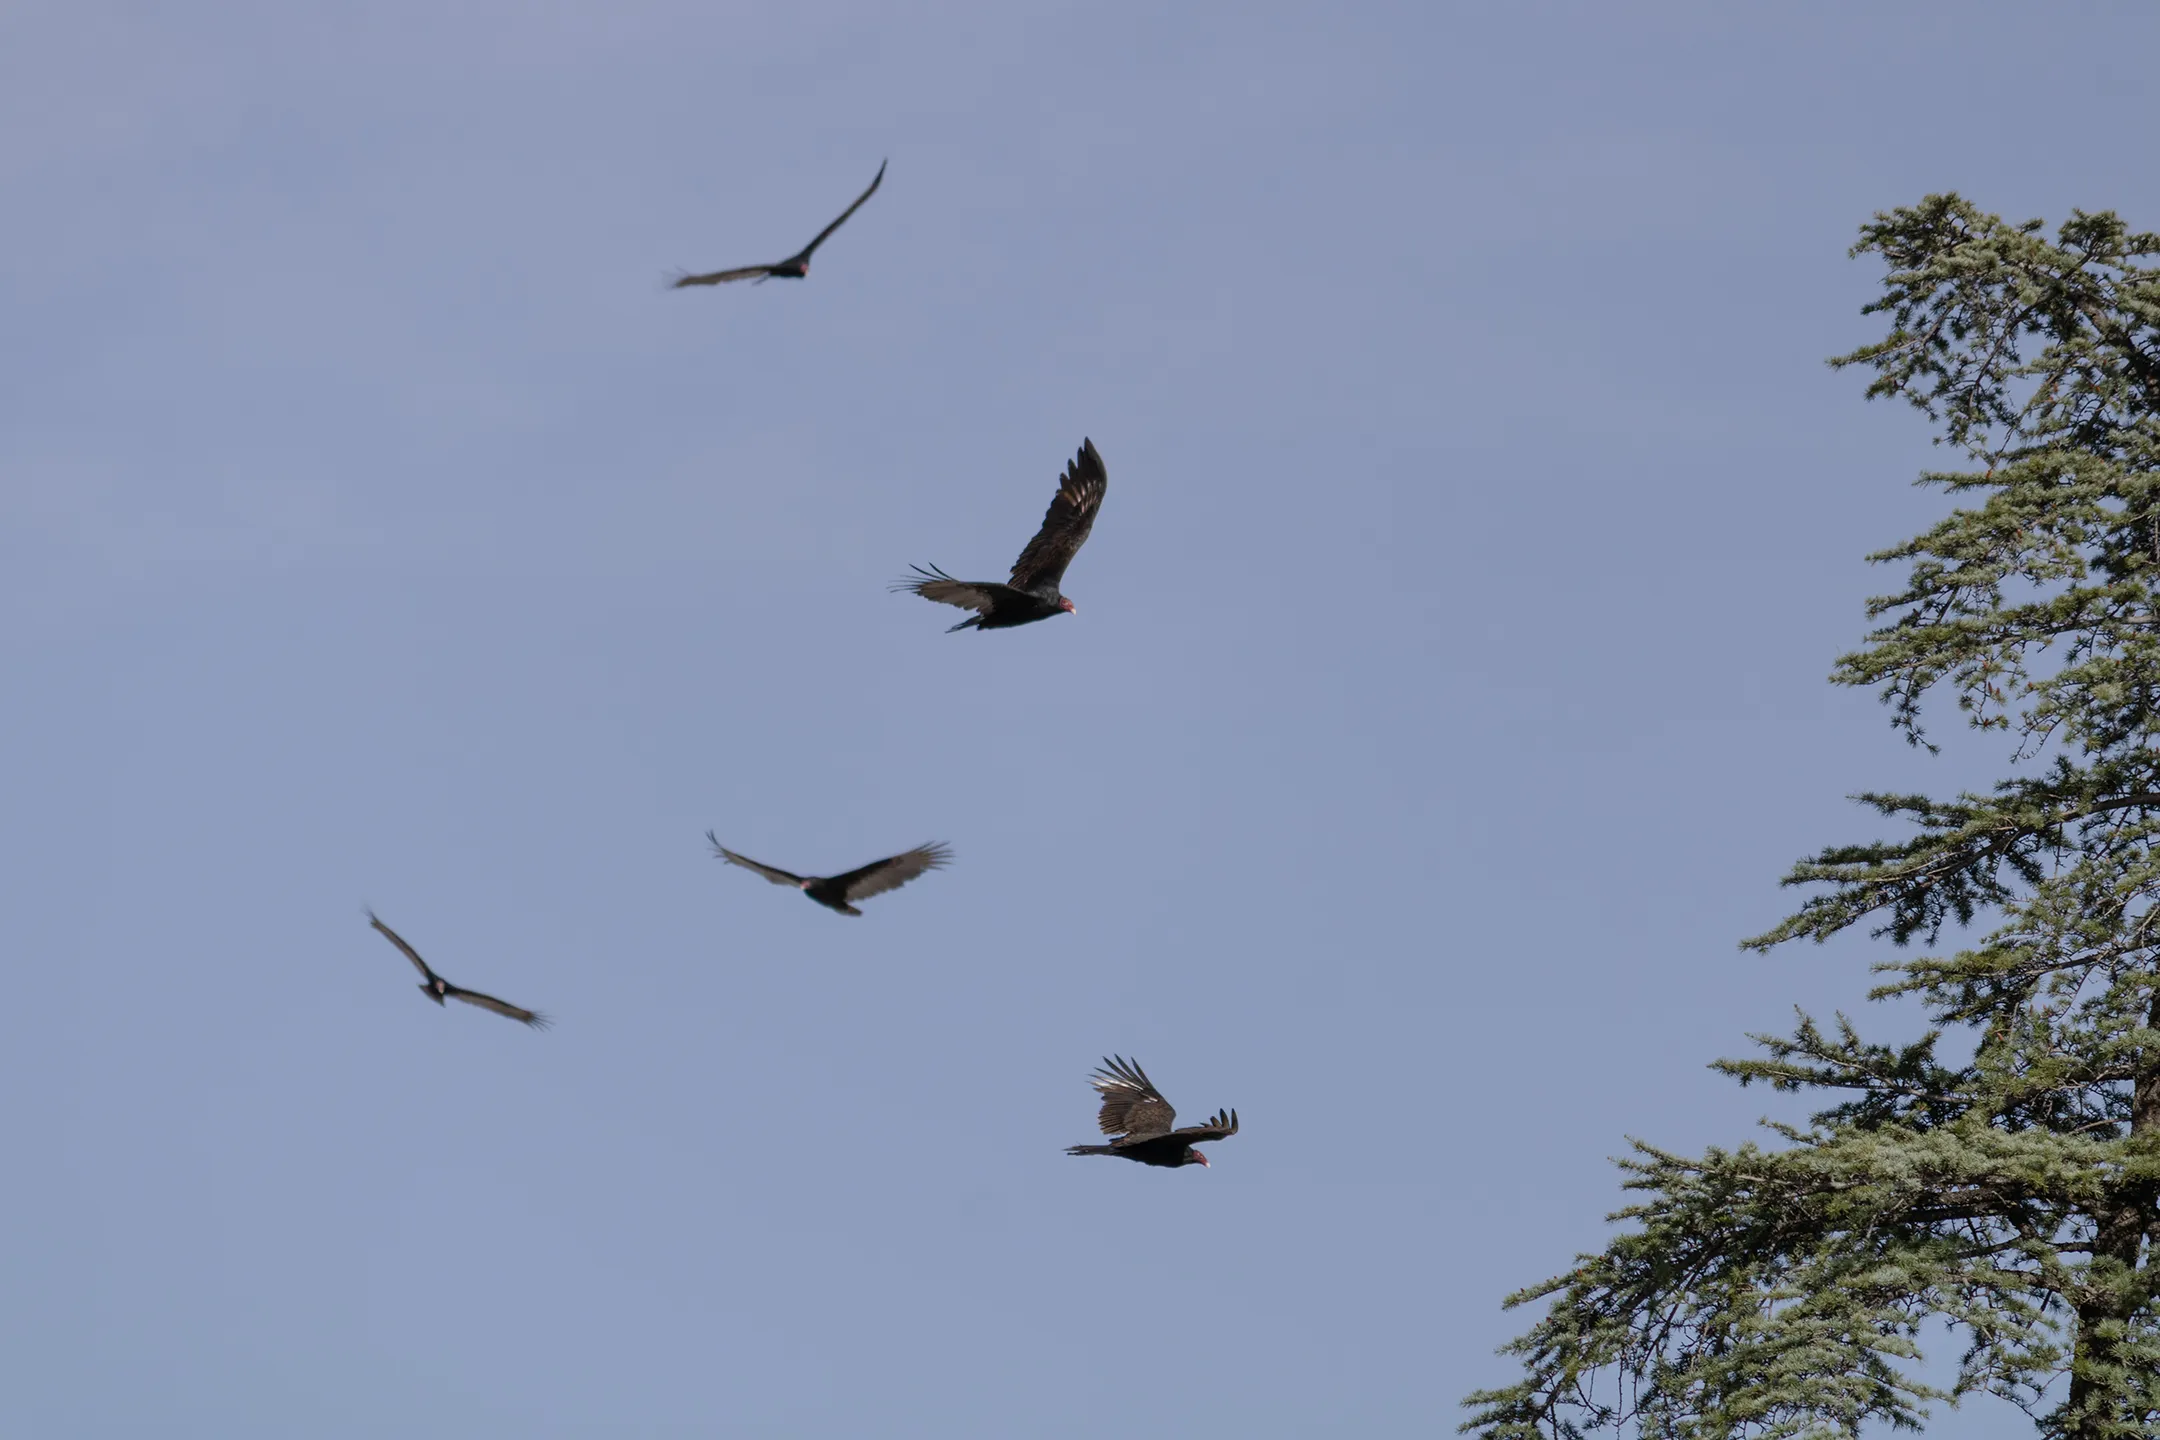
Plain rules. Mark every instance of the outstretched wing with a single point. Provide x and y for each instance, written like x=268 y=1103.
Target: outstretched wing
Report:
x=934 y=584
x=501 y=1007
x=892 y=872
x=398 y=940
x=1065 y=527
x=718 y=277
x=778 y=877
x=1222 y=1127
x=807 y=249
x=1131 y=1105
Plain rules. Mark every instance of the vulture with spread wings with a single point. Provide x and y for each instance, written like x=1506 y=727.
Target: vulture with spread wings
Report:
x=435 y=987
x=796 y=266
x=839 y=892
x=1032 y=592
x=1135 y=1111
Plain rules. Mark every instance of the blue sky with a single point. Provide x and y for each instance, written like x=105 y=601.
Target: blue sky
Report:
x=1444 y=701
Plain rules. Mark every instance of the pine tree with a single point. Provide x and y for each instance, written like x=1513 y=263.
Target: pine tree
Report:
x=2013 y=1197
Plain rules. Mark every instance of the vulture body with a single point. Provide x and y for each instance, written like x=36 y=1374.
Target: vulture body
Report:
x=796 y=266
x=1031 y=592
x=437 y=989
x=839 y=892
x=1134 y=1111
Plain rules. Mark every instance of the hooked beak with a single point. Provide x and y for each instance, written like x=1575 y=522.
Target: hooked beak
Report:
x=1202 y=1159
x=1068 y=607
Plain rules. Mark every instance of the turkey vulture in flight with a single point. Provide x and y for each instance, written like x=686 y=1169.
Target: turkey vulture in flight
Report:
x=796 y=266
x=841 y=891
x=435 y=987
x=1135 y=1111
x=1032 y=592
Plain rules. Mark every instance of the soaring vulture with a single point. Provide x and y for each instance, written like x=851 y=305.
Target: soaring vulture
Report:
x=1032 y=592
x=1135 y=1111
x=839 y=892
x=796 y=266
x=435 y=987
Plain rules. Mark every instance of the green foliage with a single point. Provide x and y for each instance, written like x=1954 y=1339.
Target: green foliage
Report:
x=2015 y=1197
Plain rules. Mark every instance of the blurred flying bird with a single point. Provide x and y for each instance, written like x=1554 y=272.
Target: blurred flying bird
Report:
x=435 y=987
x=839 y=892
x=796 y=266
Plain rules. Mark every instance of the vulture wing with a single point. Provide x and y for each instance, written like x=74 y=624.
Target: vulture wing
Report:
x=934 y=584
x=807 y=249
x=778 y=877
x=719 y=277
x=501 y=1007
x=1065 y=526
x=398 y=940
x=1131 y=1105
x=1222 y=1127
x=892 y=872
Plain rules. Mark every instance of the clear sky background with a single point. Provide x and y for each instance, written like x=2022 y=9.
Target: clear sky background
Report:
x=1446 y=694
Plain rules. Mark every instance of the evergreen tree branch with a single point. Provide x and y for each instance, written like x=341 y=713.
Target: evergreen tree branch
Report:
x=2015 y=1196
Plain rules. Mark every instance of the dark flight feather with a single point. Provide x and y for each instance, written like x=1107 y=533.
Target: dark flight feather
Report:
x=772 y=873
x=1221 y=1127
x=411 y=954
x=1065 y=524
x=501 y=1007
x=1131 y=1105
x=985 y=597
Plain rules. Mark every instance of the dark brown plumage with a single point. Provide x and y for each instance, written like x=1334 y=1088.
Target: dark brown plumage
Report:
x=839 y=892
x=1031 y=593
x=796 y=266
x=435 y=987
x=1135 y=1111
